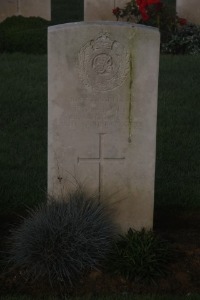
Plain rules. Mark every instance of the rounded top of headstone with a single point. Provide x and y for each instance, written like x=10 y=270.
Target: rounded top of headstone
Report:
x=103 y=23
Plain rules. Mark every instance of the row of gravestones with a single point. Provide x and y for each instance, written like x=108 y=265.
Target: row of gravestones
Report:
x=102 y=10
x=98 y=10
x=26 y=8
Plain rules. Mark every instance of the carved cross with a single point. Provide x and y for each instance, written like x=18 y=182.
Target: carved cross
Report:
x=100 y=161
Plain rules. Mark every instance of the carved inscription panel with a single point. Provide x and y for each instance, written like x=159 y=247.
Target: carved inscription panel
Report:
x=104 y=114
x=103 y=63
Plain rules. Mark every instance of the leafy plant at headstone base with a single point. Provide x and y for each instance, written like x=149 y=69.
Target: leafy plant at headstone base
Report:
x=152 y=13
x=139 y=256
x=63 y=240
x=186 y=40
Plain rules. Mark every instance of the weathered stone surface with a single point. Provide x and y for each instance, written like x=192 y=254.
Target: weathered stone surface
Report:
x=26 y=8
x=189 y=9
x=37 y=8
x=101 y=10
x=103 y=80
x=8 y=8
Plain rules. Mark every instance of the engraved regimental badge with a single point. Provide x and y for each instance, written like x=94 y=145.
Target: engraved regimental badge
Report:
x=103 y=63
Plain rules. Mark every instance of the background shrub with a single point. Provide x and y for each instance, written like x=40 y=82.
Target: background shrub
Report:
x=63 y=240
x=185 y=40
x=139 y=255
x=20 y=34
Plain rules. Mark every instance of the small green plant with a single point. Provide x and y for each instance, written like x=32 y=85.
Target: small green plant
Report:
x=63 y=240
x=139 y=255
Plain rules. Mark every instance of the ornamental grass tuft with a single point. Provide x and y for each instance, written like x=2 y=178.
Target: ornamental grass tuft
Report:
x=139 y=256
x=63 y=240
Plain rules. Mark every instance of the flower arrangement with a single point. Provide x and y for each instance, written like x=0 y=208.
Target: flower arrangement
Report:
x=139 y=10
x=153 y=13
x=178 y=36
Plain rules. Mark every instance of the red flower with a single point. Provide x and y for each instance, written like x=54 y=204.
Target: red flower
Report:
x=142 y=4
x=182 y=21
x=116 y=11
x=145 y=3
x=145 y=16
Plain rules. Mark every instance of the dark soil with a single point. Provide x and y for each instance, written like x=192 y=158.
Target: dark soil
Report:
x=181 y=229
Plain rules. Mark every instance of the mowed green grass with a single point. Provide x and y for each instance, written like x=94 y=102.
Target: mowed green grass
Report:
x=23 y=132
x=178 y=132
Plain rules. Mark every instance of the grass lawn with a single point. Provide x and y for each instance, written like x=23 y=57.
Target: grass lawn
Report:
x=178 y=133
x=23 y=132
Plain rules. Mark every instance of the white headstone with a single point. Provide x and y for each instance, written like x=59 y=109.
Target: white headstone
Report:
x=26 y=8
x=8 y=8
x=189 y=9
x=103 y=81
x=36 y=8
x=101 y=10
